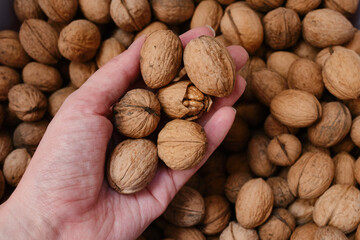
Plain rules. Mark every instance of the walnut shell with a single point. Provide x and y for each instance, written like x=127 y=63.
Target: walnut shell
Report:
x=357 y=234
x=325 y=53
x=279 y=226
x=296 y=108
x=284 y=150
x=235 y=231
x=305 y=50
x=273 y=127
x=43 y=77
x=344 y=169
x=109 y=49
x=186 y=209
x=149 y=29
x=223 y=40
x=264 y=5
x=329 y=233
x=225 y=2
x=130 y=15
x=309 y=147
x=125 y=38
x=183 y=100
x=302 y=210
x=132 y=165
x=57 y=99
x=346 y=145
x=80 y=72
x=336 y=119
x=346 y=7
x=79 y=41
x=238 y=136
x=340 y=74
x=137 y=114
x=27 y=102
x=302 y=7
x=12 y=53
x=254 y=203
x=266 y=84
x=96 y=11
x=354 y=44
x=325 y=27
x=8 y=78
x=242 y=26
x=26 y=9
x=234 y=183
x=59 y=11
x=207 y=13
x=5 y=145
x=306 y=75
x=198 y=60
x=282 y=28
x=180 y=233
x=282 y=194
x=355 y=131
x=28 y=135
x=281 y=61
x=40 y=41
x=311 y=175
x=258 y=160
x=338 y=207
x=15 y=165
x=182 y=144
x=160 y=58
x=217 y=215
x=173 y=12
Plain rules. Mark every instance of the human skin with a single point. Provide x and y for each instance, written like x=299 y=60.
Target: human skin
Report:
x=63 y=194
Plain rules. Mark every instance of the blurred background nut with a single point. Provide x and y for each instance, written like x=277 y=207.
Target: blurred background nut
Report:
x=27 y=102
x=284 y=150
x=304 y=232
x=79 y=41
x=305 y=50
x=109 y=49
x=137 y=114
x=180 y=233
x=242 y=26
x=132 y=165
x=5 y=145
x=15 y=165
x=354 y=106
x=329 y=233
x=234 y=183
x=97 y=11
x=207 y=13
x=273 y=127
x=279 y=226
x=355 y=131
x=26 y=9
x=40 y=41
x=354 y=43
x=173 y=12
x=149 y=29
x=346 y=145
x=344 y=169
x=186 y=209
x=282 y=194
x=217 y=215
x=237 y=163
x=253 y=113
x=12 y=53
x=214 y=184
x=130 y=15
x=215 y=164
x=302 y=210
x=57 y=98
x=281 y=61
x=43 y=77
x=302 y=7
x=309 y=147
x=311 y=175
x=357 y=170
x=254 y=203
x=306 y=75
x=282 y=28
x=325 y=53
x=264 y=5
x=80 y=72
x=8 y=78
x=345 y=7
x=238 y=136
x=125 y=38
x=235 y=231
x=59 y=11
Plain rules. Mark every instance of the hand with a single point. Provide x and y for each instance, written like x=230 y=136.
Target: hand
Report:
x=63 y=193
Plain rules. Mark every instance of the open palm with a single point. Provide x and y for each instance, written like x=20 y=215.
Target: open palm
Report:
x=64 y=186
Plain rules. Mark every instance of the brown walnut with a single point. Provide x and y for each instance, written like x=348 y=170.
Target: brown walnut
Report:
x=305 y=50
x=302 y=7
x=346 y=7
x=281 y=61
x=12 y=53
x=355 y=131
x=5 y=145
x=8 y=78
x=234 y=183
x=125 y=38
x=26 y=9
x=180 y=233
x=304 y=232
x=97 y=11
x=282 y=194
x=284 y=150
x=173 y=12
x=329 y=233
x=264 y=5
x=354 y=44
x=80 y=72
x=302 y=210
x=15 y=165
x=273 y=127
x=59 y=11
x=235 y=231
x=109 y=49
x=207 y=13
x=344 y=169
x=149 y=29
x=57 y=99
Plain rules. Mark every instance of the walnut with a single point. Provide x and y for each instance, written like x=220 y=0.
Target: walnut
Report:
x=311 y=175
x=338 y=207
x=26 y=9
x=344 y=169
x=5 y=145
x=305 y=50
x=346 y=145
x=217 y=215
x=96 y=11
x=346 y=7
x=326 y=27
x=149 y=29
x=186 y=209
x=282 y=194
x=304 y=232
x=325 y=53
x=43 y=77
x=223 y=40
x=59 y=11
x=234 y=183
x=284 y=150
x=27 y=102
x=355 y=131
x=336 y=119
x=309 y=147
x=264 y=5
x=356 y=170
x=15 y=165
x=28 y=134
x=40 y=41
x=302 y=7
x=279 y=226
x=238 y=136
x=242 y=26
x=183 y=100
x=235 y=231
x=132 y=165
x=302 y=210
x=273 y=127
x=329 y=233
x=8 y=78
x=182 y=144
x=137 y=114
x=80 y=72
x=180 y=233
x=160 y=58
x=281 y=61
x=207 y=13
x=109 y=49
x=125 y=38
x=79 y=41
x=57 y=99
x=218 y=82
x=173 y=12
x=354 y=43
x=12 y=53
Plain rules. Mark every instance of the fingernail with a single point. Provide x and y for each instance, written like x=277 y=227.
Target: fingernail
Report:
x=234 y=110
x=214 y=33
